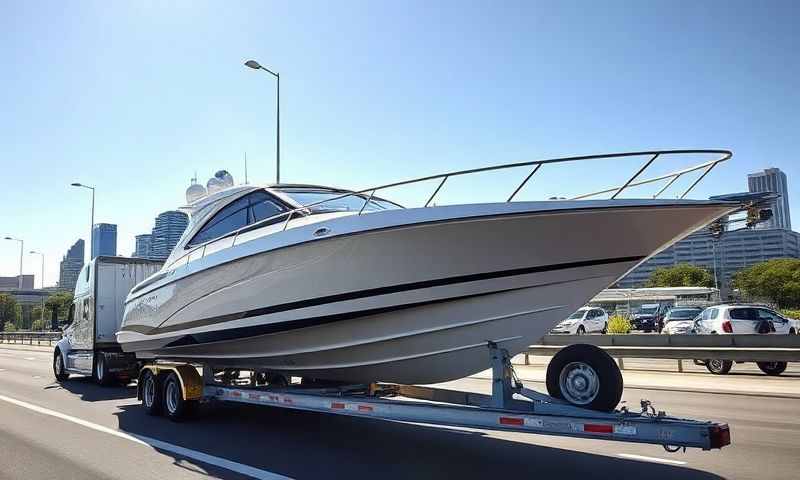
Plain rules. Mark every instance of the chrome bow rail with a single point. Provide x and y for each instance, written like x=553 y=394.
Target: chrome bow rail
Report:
x=367 y=194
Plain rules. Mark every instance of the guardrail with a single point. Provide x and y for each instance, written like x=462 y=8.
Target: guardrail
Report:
x=739 y=348
x=28 y=338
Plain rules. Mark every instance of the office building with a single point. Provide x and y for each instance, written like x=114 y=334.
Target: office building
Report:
x=71 y=266
x=144 y=246
x=773 y=180
x=12 y=283
x=167 y=231
x=104 y=240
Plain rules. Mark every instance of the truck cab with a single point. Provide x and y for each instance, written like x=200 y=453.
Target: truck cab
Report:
x=89 y=345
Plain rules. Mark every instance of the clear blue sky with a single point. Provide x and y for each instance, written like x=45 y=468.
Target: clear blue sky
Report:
x=134 y=97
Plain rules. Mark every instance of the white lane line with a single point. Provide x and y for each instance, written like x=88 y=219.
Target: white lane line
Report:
x=2 y=369
x=152 y=442
x=650 y=459
x=30 y=358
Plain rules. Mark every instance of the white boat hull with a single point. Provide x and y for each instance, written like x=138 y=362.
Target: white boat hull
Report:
x=410 y=303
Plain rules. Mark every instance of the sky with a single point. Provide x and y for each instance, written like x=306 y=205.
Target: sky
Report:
x=135 y=97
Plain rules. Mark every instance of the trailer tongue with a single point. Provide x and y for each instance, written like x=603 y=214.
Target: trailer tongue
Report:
x=176 y=388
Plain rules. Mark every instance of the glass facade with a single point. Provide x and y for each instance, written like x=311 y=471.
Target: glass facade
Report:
x=71 y=266
x=104 y=240
x=168 y=230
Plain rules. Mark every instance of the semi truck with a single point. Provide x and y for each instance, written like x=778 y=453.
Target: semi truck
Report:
x=89 y=345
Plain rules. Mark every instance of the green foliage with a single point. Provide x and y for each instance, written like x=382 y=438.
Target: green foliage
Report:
x=681 y=275
x=8 y=309
x=789 y=313
x=619 y=324
x=39 y=325
x=61 y=301
x=9 y=327
x=776 y=280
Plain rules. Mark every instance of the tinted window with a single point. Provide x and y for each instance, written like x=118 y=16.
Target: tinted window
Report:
x=744 y=314
x=249 y=209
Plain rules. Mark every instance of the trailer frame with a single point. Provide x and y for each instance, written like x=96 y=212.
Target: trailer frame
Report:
x=503 y=410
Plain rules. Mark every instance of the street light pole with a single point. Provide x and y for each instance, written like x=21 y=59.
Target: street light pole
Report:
x=34 y=252
x=256 y=66
x=91 y=229
x=21 y=248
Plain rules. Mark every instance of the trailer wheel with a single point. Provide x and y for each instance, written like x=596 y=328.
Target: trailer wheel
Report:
x=585 y=376
x=152 y=398
x=58 y=367
x=176 y=408
x=719 y=367
x=772 y=368
x=101 y=374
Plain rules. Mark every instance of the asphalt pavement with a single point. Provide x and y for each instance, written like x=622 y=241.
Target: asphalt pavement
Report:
x=80 y=430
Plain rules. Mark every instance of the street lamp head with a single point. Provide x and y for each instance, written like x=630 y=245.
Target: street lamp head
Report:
x=34 y=252
x=253 y=64
x=76 y=184
x=9 y=238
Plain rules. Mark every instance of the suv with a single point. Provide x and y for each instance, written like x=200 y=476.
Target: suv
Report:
x=729 y=319
x=649 y=317
x=585 y=320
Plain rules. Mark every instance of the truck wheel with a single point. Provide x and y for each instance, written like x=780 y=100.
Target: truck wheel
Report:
x=585 y=376
x=101 y=375
x=175 y=406
x=152 y=399
x=719 y=367
x=772 y=368
x=58 y=367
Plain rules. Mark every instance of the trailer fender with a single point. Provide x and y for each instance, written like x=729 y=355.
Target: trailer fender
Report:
x=190 y=380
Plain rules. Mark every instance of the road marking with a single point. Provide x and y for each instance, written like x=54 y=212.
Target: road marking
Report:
x=152 y=442
x=30 y=358
x=650 y=459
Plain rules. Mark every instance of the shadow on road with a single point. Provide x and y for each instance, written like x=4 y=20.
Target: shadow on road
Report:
x=312 y=445
x=91 y=392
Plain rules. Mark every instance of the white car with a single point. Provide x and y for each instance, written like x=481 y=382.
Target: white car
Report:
x=585 y=320
x=680 y=320
x=742 y=319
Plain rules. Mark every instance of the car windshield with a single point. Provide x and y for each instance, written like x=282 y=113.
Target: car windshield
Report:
x=352 y=203
x=577 y=315
x=683 y=314
x=648 y=310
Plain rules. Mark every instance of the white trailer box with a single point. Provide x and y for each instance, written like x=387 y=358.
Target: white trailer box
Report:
x=89 y=346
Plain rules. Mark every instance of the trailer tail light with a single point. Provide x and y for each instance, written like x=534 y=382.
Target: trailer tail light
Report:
x=720 y=436
x=727 y=327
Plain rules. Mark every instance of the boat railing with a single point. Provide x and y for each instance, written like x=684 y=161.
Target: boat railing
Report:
x=368 y=194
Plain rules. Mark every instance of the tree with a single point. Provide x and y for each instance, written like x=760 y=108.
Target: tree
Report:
x=776 y=280
x=61 y=302
x=681 y=275
x=8 y=310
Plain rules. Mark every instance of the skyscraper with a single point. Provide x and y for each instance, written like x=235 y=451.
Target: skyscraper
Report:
x=166 y=233
x=104 y=240
x=71 y=267
x=773 y=180
x=144 y=246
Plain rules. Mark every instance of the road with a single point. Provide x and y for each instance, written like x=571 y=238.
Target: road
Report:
x=80 y=430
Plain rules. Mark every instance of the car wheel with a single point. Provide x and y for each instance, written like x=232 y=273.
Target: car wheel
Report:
x=772 y=368
x=175 y=406
x=719 y=367
x=605 y=329
x=59 y=371
x=581 y=330
x=585 y=376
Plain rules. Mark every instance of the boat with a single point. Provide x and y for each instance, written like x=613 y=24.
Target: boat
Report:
x=326 y=283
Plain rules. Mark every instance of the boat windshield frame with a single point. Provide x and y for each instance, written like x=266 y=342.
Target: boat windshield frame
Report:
x=367 y=194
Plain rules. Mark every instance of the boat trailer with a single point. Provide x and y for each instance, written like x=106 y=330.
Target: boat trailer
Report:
x=175 y=388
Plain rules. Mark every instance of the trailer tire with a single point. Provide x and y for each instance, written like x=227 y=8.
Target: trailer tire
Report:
x=59 y=371
x=772 y=368
x=175 y=406
x=719 y=367
x=585 y=376
x=152 y=399
x=100 y=372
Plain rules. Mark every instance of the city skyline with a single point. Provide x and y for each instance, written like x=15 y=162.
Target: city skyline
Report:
x=377 y=95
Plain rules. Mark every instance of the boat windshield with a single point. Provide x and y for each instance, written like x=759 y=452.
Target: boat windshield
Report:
x=351 y=203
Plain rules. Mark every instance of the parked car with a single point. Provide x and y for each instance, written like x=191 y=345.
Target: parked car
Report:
x=730 y=319
x=585 y=320
x=649 y=317
x=680 y=320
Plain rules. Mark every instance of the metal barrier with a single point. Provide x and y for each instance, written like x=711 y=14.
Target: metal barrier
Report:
x=28 y=338
x=739 y=348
